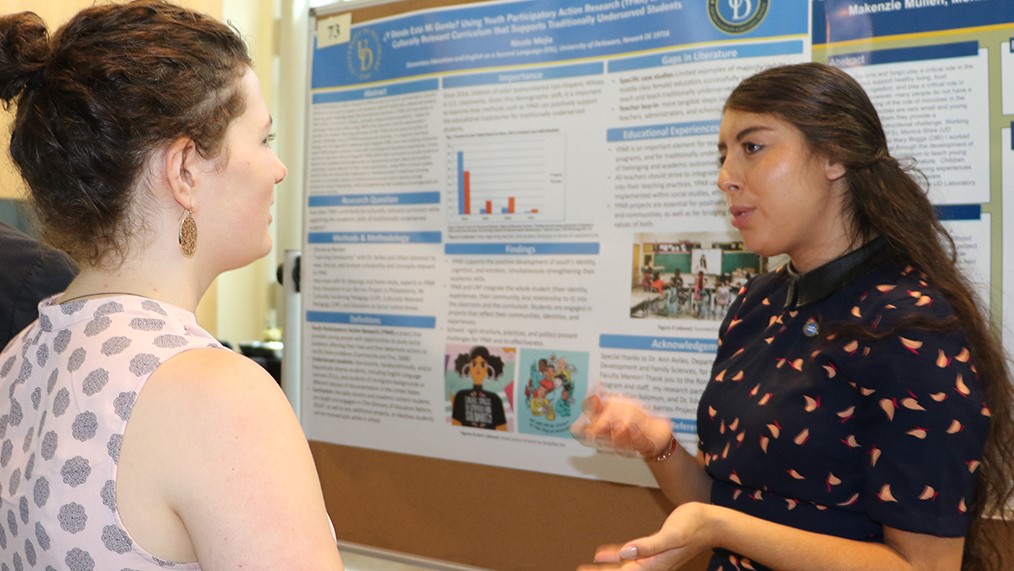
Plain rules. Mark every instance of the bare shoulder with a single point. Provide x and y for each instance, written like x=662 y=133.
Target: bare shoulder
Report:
x=216 y=386
x=219 y=410
x=237 y=467
x=211 y=398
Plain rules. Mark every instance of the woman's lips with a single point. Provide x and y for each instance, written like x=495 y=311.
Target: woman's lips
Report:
x=740 y=215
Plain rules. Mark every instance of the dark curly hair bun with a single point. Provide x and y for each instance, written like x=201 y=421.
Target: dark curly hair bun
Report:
x=24 y=51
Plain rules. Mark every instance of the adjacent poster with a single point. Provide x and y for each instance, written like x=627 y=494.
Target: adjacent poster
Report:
x=940 y=73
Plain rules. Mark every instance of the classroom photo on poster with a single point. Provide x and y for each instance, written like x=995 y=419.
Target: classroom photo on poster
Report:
x=689 y=276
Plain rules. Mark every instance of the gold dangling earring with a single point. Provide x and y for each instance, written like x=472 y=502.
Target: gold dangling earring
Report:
x=188 y=235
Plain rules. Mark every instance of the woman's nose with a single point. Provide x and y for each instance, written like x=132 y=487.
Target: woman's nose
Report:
x=727 y=182
x=282 y=171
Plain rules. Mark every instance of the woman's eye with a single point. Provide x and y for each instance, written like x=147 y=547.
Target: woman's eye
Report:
x=751 y=148
x=269 y=138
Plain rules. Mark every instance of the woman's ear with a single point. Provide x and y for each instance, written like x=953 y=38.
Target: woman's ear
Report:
x=181 y=172
x=834 y=169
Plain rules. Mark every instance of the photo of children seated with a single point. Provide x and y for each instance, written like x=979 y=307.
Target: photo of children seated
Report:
x=688 y=276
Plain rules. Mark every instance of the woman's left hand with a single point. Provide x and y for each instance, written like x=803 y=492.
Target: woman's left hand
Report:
x=686 y=533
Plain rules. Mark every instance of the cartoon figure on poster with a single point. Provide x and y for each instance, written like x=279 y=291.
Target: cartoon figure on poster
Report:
x=477 y=381
x=556 y=381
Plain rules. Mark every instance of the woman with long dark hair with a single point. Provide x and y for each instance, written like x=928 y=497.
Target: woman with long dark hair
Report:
x=858 y=414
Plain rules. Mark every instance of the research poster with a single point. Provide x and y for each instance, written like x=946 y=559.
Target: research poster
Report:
x=512 y=205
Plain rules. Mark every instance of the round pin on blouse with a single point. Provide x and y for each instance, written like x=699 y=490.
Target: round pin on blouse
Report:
x=810 y=328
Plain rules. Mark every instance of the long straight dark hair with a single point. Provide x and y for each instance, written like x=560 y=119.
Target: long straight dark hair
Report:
x=885 y=198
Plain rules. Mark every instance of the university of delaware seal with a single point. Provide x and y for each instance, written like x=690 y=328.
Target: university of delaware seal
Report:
x=363 y=55
x=737 y=16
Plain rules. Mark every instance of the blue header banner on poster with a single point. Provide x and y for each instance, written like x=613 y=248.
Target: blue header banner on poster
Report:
x=539 y=31
x=955 y=212
x=668 y=131
x=500 y=77
x=381 y=199
x=652 y=343
x=843 y=20
x=523 y=249
x=684 y=425
x=707 y=54
x=373 y=93
x=918 y=53
x=375 y=319
x=373 y=237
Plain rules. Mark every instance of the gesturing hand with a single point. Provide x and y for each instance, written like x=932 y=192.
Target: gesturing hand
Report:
x=685 y=534
x=622 y=425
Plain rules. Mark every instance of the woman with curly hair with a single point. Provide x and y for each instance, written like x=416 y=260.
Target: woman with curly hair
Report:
x=132 y=439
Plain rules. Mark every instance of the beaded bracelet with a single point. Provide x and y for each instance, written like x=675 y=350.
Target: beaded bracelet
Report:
x=669 y=450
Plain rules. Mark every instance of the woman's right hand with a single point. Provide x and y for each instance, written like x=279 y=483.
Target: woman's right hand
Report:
x=621 y=425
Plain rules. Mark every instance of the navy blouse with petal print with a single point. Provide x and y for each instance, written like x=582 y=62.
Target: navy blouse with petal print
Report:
x=807 y=426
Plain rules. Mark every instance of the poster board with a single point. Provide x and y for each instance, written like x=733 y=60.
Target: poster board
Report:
x=478 y=176
x=407 y=253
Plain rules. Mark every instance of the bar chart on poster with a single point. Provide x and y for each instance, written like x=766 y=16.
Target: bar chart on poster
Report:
x=507 y=177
